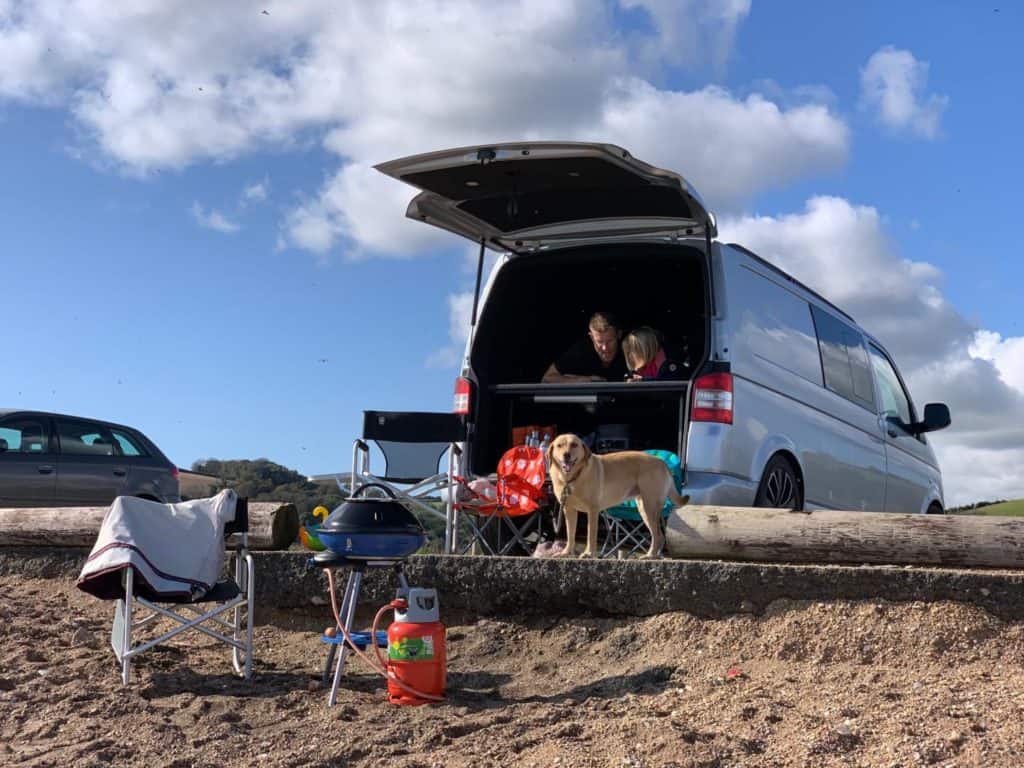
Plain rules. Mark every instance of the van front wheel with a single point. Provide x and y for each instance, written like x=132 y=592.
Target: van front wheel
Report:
x=780 y=486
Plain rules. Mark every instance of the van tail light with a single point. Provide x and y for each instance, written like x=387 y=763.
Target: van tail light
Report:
x=175 y=472
x=463 y=396
x=712 y=398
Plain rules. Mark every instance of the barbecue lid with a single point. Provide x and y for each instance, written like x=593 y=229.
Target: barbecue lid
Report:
x=372 y=515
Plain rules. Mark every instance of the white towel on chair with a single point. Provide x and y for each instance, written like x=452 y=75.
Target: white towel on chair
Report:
x=176 y=550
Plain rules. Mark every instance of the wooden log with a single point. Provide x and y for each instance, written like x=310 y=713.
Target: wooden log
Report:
x=776 y=535
x=272 y=525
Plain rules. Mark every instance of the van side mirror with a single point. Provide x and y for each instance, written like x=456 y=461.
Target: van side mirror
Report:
x=936 y=416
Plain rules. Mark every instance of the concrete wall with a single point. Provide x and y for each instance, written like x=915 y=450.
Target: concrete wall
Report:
x=490 y=586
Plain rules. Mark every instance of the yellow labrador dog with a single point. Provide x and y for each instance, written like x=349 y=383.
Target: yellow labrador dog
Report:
x=584 y=482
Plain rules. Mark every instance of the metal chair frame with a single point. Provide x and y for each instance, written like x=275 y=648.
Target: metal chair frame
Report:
x=493 y=513
x=239 y=601
x=417 y=494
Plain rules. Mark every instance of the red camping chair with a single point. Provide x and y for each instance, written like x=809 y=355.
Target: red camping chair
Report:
x=499 y=523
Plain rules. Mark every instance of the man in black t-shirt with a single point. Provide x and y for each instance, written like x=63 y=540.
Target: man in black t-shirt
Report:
x=595 y=358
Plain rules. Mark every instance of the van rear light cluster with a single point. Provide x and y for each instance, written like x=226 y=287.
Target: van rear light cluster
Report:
x=712 y=398
x=175 y=472
x=463 y=396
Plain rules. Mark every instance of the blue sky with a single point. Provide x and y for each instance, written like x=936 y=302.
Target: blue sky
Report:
x=195 y=243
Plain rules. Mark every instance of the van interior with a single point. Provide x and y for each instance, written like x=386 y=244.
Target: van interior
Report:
x=539 y=305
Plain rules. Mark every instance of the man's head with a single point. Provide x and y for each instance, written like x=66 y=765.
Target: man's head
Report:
x=604 y=334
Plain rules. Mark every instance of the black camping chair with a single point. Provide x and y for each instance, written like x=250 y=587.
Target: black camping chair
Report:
x=412 y=444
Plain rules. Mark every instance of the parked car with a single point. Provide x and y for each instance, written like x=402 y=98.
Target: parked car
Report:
x=53 y=460
x=790 y=403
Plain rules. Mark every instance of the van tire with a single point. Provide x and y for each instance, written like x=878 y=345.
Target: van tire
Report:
x=935 y=509
x=780 y=485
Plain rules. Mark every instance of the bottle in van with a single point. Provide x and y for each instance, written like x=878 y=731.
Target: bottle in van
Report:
x=544 y=444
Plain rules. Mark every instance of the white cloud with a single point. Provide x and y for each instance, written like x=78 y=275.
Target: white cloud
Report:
x=686 y=28
x=1006 y=354
x=842 y=251
x=460 y=309
x=893 y=84
x=212 y=219
x=168 y=86
x=257 y=192
x=728 y=148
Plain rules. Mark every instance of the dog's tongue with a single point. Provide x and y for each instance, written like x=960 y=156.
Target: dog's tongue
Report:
x=566 y=466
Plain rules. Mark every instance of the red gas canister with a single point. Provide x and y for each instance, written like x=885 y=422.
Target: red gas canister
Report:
x=416 y=649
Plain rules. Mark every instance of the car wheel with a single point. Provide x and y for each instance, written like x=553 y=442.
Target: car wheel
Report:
x=780 y=486
x=935 y=509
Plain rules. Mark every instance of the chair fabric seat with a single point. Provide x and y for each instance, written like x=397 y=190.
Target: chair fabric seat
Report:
x=224 y=590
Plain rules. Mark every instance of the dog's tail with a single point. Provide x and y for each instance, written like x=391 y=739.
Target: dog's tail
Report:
x=677 y=500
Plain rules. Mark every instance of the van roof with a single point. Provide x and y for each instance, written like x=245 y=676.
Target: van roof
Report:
x=790 y=278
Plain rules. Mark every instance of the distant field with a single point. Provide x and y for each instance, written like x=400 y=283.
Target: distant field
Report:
x=1006 y=509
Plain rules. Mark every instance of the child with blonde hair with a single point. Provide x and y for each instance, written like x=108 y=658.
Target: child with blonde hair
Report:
x=646 y=358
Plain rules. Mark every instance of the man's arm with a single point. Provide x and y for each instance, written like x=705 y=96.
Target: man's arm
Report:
x=553 y=376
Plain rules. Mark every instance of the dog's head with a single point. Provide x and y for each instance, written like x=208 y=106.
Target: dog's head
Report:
x=567 y=452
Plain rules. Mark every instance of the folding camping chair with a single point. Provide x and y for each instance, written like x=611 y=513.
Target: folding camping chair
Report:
x=625 y=531
x=230 y=595
x=500 y=523
x=412 y=443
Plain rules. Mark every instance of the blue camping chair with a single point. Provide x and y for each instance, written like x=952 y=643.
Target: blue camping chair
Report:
x=625 y=532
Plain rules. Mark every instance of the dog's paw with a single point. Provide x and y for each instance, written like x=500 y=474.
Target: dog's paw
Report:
x=686 y=500
x=585 y=554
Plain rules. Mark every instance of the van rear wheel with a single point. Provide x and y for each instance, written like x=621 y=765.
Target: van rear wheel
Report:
x=780 y=486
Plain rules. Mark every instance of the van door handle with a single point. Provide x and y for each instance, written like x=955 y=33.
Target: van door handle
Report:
x=120 y=472
x=892 y=432
x=45 y=469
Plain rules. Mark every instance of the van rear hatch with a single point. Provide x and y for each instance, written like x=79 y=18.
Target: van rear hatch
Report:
x=519 y=195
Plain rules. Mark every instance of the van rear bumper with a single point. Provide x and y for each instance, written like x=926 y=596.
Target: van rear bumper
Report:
x=719 y=490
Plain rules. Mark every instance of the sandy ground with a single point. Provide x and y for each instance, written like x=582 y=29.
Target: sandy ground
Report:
x=806 y=684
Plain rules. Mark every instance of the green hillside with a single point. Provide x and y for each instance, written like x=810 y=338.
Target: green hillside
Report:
x=1003 y=509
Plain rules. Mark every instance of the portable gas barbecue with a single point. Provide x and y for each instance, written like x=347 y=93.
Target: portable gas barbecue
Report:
x=364 y=533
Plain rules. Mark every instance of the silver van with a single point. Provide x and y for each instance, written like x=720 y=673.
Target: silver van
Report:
x=789 y=402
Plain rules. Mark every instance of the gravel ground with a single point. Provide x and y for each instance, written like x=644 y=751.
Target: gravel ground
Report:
x=804 y=684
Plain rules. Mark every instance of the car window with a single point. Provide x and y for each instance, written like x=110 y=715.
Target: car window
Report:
x=845 y=363
x=895 y=404
x=83 y=438
x=129 y=445
x=24 y=435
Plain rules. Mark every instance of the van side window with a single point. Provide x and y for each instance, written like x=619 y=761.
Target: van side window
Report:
x=776 y=325
x=845 y=363
x=895 y=402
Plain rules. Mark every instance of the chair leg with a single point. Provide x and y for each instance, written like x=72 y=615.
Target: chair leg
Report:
x=348 y=616
x=126 y=638
x=245 y=578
